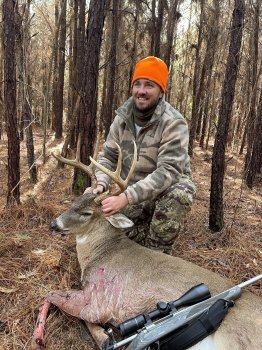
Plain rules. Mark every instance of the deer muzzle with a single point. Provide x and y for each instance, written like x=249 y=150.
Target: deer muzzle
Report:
x=56 y=229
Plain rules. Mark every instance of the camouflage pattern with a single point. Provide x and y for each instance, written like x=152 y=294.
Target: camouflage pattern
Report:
x=161 y=191
x=158 y=223
x=162 y=151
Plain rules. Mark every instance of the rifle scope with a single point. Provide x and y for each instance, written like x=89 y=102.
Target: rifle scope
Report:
x=194 y=295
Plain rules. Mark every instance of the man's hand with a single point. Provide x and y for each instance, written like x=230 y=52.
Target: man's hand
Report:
x=99 y=189
x=112 y=205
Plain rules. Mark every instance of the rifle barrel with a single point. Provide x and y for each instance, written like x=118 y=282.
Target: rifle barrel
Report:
x=251 y=281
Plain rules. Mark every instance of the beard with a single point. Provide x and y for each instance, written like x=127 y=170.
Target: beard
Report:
x=145 y=107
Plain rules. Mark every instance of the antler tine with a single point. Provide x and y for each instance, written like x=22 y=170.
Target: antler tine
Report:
x=115 y=175
x=75 y=162
x=119 y=161
x=133 y=165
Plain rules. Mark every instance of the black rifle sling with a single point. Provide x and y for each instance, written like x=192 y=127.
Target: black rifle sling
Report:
x=197 y=329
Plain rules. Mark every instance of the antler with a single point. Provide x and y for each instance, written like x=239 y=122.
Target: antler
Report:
x=88 y=169
x=120 y=185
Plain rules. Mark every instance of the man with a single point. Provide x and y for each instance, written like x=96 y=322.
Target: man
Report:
x=161 y=191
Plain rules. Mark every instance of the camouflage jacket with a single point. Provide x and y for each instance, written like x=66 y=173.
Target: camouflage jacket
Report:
x=162 y=151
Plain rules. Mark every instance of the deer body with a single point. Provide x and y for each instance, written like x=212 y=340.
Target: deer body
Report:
x=122 y=279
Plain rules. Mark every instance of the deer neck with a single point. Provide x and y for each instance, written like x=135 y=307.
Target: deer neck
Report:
x=95 y=241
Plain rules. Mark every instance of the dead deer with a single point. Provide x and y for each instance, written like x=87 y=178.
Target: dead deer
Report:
x=121 y=279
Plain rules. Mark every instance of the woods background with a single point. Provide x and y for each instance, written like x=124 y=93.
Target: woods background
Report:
x=65 y=66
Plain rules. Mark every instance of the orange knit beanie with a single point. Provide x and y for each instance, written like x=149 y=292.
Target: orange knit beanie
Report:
x=152 y=68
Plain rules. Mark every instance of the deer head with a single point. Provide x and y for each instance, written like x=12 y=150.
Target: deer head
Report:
x=86 y=208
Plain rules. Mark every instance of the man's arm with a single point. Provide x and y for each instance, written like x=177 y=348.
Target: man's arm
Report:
x=171 y=162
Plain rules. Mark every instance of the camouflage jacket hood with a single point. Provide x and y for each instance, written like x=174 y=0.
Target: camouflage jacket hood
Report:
x=162 y=151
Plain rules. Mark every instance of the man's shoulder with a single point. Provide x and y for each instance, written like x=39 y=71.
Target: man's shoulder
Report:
x=169 y=113
x=125 y=109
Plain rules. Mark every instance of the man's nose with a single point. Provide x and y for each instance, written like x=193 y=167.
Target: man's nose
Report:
x=141 y=90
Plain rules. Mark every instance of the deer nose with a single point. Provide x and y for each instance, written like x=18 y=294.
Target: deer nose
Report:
x=53 y=225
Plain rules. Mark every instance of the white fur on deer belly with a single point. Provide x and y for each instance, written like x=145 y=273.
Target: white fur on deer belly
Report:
x=206 y=344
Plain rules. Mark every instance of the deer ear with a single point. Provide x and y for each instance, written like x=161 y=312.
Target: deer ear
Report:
x=120 y=221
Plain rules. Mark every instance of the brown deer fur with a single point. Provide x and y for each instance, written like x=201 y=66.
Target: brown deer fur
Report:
x=121 y=279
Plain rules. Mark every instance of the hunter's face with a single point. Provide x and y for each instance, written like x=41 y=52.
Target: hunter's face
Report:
x=146 y=94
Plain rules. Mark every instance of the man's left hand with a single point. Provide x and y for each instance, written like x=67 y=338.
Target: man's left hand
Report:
x=112 y=205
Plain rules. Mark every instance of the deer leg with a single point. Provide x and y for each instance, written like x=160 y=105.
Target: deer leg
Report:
x=71 y=302
x=99 y=335
x=77 y=303
x=38 y=342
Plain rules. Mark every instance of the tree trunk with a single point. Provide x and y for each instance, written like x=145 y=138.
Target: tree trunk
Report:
x=109 y=103
x=256 y=154
x=134 y=47
x=70 y=107
x=58 y=102
x=185 y=86
x=87 y=120
x=195 y=104
x=204 y=90
x=1 y=90
x=78 y=70
x=243 y=142
x=216 y=213
x=153 y=28
x=250 y=172
x=13 y=190
x=212 y=117
x=26 y=114
x=76 y=74
x=105 y=74
x=171 y=26
x=55 y=67
x=159 y=25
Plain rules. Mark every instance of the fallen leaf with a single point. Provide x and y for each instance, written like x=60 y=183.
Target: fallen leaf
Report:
x=7 y=290
x=255 y=262
x=28 y=274
x=39 y=251
x=21 y=236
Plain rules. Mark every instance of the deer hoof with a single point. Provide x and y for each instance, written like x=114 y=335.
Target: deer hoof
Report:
x=38 y=344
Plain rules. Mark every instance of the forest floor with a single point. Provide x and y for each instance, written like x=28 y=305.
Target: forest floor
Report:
x=32 y=262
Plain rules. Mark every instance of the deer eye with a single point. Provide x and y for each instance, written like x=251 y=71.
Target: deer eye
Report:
x=86 y=213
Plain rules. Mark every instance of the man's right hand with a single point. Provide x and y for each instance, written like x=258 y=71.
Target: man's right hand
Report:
x=97 y=190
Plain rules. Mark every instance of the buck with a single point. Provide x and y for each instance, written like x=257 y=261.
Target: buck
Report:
x=121 y=279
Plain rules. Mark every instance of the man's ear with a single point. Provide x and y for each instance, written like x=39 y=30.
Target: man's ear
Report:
x=119 y=220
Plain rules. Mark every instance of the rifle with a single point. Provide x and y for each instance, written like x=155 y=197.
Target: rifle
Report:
x=150 y=332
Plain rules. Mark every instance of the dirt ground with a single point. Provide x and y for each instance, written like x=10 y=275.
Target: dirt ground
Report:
x=32 y=262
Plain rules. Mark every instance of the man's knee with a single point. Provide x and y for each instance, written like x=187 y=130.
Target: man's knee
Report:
x=169 y=215
x=141 y=213
x=176 y=202
x=162 y=245
x=139 y=234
